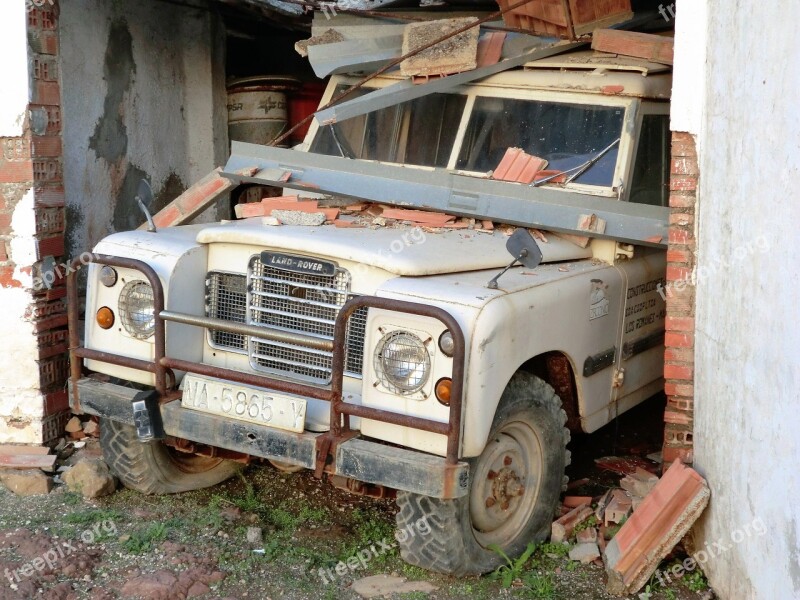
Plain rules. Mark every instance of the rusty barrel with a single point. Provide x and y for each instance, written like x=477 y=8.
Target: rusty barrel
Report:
x=258 y=108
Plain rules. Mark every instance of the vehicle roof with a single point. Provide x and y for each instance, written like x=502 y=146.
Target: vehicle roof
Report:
x=585 y=71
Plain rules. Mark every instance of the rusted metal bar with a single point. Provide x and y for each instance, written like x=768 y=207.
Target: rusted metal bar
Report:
x=453 y=429
x=365 y=412
x=279 y=385
x=258 y=331
x=116 y=359
x=73 y=317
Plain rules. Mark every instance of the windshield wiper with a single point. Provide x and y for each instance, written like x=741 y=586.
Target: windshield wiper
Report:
x=592 y=161
x=344 y=148
x=580 y=169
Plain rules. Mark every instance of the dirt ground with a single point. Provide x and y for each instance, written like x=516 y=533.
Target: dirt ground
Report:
x=127 y=545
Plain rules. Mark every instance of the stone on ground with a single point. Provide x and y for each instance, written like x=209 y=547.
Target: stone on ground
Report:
x=377 y=586
x=585 y=553
x=91 y=478
x=26 y=482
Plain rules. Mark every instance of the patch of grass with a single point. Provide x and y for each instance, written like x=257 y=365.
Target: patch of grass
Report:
x=142 y=540
x=72 y=498
x=539 y=585
x=548 y=548
x=91 y=516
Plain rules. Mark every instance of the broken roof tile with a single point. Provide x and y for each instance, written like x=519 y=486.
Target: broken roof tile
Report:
x=659 y=523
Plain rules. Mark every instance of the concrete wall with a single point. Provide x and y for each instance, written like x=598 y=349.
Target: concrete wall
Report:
x=143 y=97
x=747 y=383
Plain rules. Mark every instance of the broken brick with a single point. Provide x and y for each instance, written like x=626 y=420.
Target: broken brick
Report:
x=618 y=509
x=639 y=483
x=563 y=528
x=665 y=516
x=576 y=501
x=586 y=536
x=453 y=55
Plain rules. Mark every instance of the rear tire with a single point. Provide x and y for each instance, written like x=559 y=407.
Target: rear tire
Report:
x=155 y=468
x=514 y=488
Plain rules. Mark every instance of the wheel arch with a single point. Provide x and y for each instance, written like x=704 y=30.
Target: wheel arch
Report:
x=557 y=369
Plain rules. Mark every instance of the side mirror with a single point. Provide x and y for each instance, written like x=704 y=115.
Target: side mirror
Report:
x=525 y=251
x=524 y=248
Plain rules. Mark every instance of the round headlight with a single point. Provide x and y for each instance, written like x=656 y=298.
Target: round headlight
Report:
x=402 y=362
x=137 y=310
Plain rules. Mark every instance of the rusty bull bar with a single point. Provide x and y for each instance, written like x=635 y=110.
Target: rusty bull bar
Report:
x=340 y=412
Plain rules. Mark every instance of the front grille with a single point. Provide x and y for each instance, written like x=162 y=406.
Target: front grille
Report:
x=226 y=298
x=293 y=302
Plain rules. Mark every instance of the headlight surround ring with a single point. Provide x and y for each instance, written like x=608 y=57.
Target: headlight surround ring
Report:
x=136 y=309
x=402 y=362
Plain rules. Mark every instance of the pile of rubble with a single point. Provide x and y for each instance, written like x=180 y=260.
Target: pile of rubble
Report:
x=37 y=470
x=629 y=530
x=294 y=210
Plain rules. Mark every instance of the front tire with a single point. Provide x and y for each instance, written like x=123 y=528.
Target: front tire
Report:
x=155 y=468
x=514 y=488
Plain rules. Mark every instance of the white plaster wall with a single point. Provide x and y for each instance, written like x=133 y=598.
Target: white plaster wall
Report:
x=14 y=50
x=171 y=111
x=21 y=404
x=740 y=96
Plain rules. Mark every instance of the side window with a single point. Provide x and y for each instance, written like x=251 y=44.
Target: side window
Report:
x=650 y=182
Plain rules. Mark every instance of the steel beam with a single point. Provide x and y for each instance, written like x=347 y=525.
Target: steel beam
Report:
x=439 y=189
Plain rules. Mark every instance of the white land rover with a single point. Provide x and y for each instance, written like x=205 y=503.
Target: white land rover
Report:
x=394 y=358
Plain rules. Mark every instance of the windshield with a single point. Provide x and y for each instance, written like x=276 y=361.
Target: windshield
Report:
x=566 y=135
x=424 y=131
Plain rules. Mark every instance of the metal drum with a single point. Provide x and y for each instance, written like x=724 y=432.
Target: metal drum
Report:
x=257 y=108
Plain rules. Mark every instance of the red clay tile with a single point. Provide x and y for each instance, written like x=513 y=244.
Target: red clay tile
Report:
x=505 y=164
x=563 y=528
x=433 y=219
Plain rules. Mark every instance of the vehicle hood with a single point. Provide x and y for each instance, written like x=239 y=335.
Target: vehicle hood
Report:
x=402 y=250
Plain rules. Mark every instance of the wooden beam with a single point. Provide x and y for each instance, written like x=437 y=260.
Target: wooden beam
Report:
x=656 y=48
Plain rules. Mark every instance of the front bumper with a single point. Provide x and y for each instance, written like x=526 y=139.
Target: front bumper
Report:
x=358 y=459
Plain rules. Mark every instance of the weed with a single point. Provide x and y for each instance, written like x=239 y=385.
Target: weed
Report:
x=512 y=570
x=696 y=581
x=142 y=540
x=587 y=524
x=550 y=548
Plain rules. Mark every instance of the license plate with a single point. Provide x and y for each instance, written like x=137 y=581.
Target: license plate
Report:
x=244 y=403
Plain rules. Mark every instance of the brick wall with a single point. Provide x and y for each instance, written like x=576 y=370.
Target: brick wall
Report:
x=33 y=161
x=680 y=292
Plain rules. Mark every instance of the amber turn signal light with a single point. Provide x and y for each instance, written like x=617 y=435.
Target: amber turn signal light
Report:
x=443 y=387
x=105 y=318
